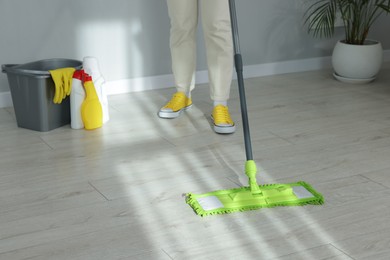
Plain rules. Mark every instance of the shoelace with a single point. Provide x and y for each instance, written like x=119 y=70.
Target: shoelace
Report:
x=221 y=115
x=177 y=102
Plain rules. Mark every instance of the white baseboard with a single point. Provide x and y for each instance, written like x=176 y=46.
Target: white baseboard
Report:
x=166 y=81
x=250 y=71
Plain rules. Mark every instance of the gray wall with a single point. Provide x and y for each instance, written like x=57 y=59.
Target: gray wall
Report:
x=131 y=37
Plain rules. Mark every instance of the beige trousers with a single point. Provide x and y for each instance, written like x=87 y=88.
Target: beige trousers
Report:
x=216 y=26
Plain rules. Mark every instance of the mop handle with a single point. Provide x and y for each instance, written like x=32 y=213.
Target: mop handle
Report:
x=239 y=69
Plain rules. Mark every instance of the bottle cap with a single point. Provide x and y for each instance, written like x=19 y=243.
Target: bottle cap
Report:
x=86 y=77
x=78 y=74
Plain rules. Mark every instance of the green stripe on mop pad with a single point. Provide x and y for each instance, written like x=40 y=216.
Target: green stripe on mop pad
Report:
x=242 y=199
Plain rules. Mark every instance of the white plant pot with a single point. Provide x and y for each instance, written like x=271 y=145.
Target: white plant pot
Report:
x=357 y=62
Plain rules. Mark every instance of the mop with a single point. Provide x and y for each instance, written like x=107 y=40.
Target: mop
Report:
x=253 y=196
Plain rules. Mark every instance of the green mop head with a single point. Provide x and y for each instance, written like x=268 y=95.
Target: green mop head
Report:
x=253 y=197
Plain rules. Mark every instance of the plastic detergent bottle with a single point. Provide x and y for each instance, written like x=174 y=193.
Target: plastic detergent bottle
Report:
x=91 y=109
x=91 y=67
x=77 y=96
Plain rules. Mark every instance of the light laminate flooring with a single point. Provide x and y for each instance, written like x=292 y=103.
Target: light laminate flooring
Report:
x=118 y=192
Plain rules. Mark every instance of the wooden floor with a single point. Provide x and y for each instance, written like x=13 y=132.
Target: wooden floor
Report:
x=117 y=192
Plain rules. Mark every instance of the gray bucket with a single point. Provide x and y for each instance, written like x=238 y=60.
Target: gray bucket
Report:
x=32 y=90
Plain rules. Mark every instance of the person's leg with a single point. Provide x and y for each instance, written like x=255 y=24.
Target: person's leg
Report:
x=183 y=15
x=219 y=48
x=184 y=21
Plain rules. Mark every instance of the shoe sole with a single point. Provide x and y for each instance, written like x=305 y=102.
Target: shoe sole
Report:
x=224 y=129
x=172 y=115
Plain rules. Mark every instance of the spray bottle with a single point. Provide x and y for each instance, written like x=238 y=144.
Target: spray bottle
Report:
x=91 y=109
x=91 y=67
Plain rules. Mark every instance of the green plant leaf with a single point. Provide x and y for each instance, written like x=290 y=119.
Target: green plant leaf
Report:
x=358 y=16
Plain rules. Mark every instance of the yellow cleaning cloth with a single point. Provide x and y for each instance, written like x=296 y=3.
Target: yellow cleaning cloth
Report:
x=63 y=83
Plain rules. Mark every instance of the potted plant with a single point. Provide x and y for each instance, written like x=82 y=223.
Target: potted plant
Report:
x=355 y=58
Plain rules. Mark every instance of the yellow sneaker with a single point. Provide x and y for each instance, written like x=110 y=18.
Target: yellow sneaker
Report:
x=223 y=124
x=178 y=103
